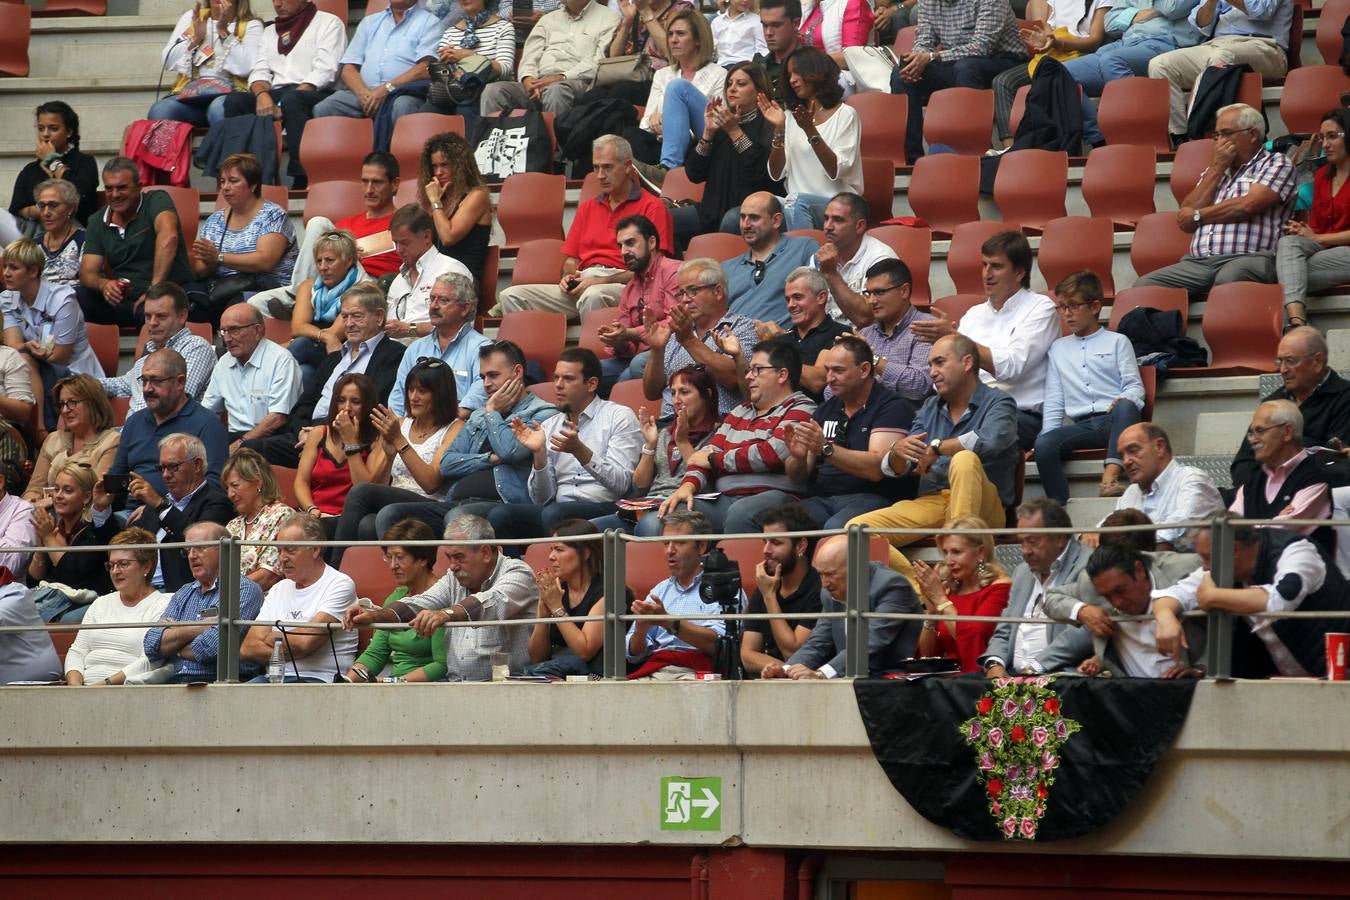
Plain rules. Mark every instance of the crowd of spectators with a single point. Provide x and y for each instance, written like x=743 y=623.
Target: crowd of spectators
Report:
x=799 y=386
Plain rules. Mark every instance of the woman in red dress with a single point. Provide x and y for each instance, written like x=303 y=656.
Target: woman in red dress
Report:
x=968 y=582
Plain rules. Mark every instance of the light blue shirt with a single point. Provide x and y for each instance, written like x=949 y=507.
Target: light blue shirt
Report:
x=348 y=365
x=1263 y=18
x=268 y=382
x=764 y=300
x=678 y=601
x=461 y=355
x=1172 y=22
x=1087 y=374
x=385 y=50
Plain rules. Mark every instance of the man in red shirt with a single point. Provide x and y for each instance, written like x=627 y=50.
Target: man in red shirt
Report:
x=593 y=272
x=655 y=281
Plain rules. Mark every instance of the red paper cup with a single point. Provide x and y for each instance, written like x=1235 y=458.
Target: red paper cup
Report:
x=1338 y=651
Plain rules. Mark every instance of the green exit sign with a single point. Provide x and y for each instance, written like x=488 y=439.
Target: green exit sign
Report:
x=691 y=804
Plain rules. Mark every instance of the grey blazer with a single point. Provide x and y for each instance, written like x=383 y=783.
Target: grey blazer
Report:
x=1077 y=644
x=888 y=640
x=1003 y=645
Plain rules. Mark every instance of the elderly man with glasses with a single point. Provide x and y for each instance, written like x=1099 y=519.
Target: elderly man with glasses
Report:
x=189 y=637
x=1236 y=214
x=453 y=340
x=256 y=383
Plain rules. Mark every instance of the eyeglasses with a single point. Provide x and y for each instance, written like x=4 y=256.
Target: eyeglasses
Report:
x=1326 y=136
x=430 y=363
x=232 y=330
x=1257 y=432
x=868 y=295
x=1226 y=133
x=120 y=565
x=760 y=370
x=1070 y=307
x=49 y=204
x=689 y=292
x=70 y=403
x=147 y=380
x=166 y=468
x=189 y=551
x=759 y=271
x=1282 y=362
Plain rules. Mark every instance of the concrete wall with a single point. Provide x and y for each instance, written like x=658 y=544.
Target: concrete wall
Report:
x=1260 y=770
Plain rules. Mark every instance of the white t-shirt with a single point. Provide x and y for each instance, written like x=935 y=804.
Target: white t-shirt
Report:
x=100 y=652
x=854 y=271
x=331 y=594
x=738 y=38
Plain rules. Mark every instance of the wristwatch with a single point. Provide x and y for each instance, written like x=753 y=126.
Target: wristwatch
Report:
x=936 y=446
x=827 y=451
x=1195 y=217
x=351 y=449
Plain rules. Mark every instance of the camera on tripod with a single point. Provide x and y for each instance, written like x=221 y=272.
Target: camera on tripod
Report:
x=721 y=585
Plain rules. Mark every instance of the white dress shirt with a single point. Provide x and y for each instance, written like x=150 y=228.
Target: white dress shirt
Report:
x=854 y=272
x=313 y=60
x=268 y=382
x=349 y=364
x=1179 y=494
x=1018 y=336
x=1033 y=639
x=409 y=295
x=738 y=38
x=612 y=433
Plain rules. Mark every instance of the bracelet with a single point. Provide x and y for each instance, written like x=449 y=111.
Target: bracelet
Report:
x=648 y=452
x=400 y=450
x=311 y=508
x=814 y=139
x=559 y=613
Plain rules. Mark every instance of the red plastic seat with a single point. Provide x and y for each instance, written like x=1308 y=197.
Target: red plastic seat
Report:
x=904 y=40
x=1074 y=244
x=406 y=192
x=411 y=133
x=1192 y=158
x=540 y=334
x=878 y=189
x=883 y=118
x=539 y=262
x=121 y=407
x=715 y=245
x=814 y=234
x=374 y=6
x=1329 y=24
x=543 y=390
x=957 y=305
x=590 y=329
x=16 y=26
x=1148 y=295
x=338 y=8
x=278 y=331
x=1242 y=325
x=1134 y=111
x=366 y=566
x=963 y=256
x=487 y=279
x=1119 y=180
x=286 y=482
x=106 y=341
x=944 y=191
x=961 y=118
x=644 y=563
x=590 y=188
x=1308 y=94
x=1158 y=242
x=188 y=202
x=531 y=207
x=334 y=200
x=61 y=641
x=333 y=147
x=915 y=247
x=677 y=187
x=53 y=8
x=1030 y=186
x=629 y=394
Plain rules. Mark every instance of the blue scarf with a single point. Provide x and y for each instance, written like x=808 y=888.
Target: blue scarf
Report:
x=471 y=26
x=328 y=301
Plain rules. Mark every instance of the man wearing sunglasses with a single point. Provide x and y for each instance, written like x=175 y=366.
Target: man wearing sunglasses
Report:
x=755 y=279
x=1236 y=214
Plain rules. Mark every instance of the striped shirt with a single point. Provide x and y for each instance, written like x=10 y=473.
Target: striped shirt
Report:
x=748 y=452
x=906 y=355
x=1259 y=233
x=968 y=28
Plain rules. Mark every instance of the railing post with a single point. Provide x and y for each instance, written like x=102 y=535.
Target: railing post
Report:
x=616 y=591
x=227 y=605
x=1219 y=625
x=856 y=628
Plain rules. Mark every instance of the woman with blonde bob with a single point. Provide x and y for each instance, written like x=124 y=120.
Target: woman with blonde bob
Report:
x=316 y=321
x=969 y=582
x=252 y=488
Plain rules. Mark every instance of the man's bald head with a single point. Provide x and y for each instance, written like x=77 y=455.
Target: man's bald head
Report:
x=761 y=220
x=832 y=565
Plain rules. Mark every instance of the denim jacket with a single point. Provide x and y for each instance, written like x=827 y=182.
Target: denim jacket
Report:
x=462 y=457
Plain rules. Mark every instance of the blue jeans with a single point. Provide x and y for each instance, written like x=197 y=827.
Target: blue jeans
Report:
x=1092 y=433
x=308 y=354
x=1118 y=60
x=605 y=523
x=197 y=112
x=344 y=103
x=563 y=663
x=802 y=211
x=528 y=520
x=729 y=515
x=969 y=71
x=681 y=115
x=835 y=511
x=614 y=369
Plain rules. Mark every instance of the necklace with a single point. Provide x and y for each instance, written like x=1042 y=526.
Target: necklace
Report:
x=46 y=239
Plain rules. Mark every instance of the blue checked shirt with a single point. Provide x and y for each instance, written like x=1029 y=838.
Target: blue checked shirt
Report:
x=967 y=28
x=1259 y=233
x=186 y=606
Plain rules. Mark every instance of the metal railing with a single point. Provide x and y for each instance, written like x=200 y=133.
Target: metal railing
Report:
x=856 y=612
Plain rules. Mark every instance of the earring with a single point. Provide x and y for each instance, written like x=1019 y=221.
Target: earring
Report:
x=982 y=569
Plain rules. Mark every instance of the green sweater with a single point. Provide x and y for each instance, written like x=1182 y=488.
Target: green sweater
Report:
x=407 y=650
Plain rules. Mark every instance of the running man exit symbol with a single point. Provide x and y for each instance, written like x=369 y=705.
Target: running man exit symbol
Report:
x=691 y=804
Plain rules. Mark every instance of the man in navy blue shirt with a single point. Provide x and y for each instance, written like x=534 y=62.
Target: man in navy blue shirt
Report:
x=168 y=410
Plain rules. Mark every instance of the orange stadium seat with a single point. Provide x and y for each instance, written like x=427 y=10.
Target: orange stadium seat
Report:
x=531 y=207
x=121 y=407
x=1329 y=24
x=629 y=394
x=1148 y=295
x=677 y=187
x=878 y=189
x=407 y=190
x=590 y=329
x=1073 y=244
x=1030 y=186
x=961 y=118
x=203 y=330
x=333 y=147
x=1242 y=325
x=336 y=7
x=16 y=25
x=1119 y=180
x=187 y=201
x=1134 y=111
x=542 y=335
x=487 y=279
x=1308 y=94
x=644 y=565
x=715 y=245
x=334 y=200
x=411 y=133
x=963 y=256
x=72 y=8
x=904 y=40
x=883 y=118
x=105 y=339
x=366 y=566
x=915 y=247
x=1192 y=158
x=539 y=262
x=286 y=482
x=590 y=187
x=543 y=390
x=957 y=305
x=944 y=191
x=277 y=330
x=1158 y=241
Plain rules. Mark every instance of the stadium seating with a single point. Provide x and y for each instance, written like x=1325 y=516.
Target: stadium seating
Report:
x=715 y=245
x=944 y=191
x=1134 y=111
x=1308 y=94
x=1153 y=296
x=963 y=257
x=590 y=188
x=539 y=262
x=277 y=193
x=336 y=7
x=590 y=328
x=277 y=330
x=334 y=199
x=366 y=567
x=915 y=247
x=333 y=147
x=104 y=339
x=16 y=24
x=1158 y=242
x=411 y=133
x=286 y=482
x=960 y=118
x=878 y=189
x=187 y=201
x=1192 y=158
x=530 y=208
x=1076 y=243
x=957 y=305
x=1118 y=181
x=629 y=394
x=540 y=334
x=1030 y=186
x=1242 y=328
x=678 y=187
x=1329 y=24
x=883 y=118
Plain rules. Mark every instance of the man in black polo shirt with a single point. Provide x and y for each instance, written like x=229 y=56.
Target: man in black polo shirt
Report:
x=839 y=452
x=813 y=332
x=785 y=582
x=132 y=243
x=781 y=20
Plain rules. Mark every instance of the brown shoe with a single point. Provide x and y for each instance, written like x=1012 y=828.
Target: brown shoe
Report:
x=654 y=177
x=1112 y=488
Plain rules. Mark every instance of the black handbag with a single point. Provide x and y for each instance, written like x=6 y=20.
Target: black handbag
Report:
x=452 y=84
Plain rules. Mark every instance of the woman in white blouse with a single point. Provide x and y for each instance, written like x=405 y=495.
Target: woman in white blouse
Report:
x=680 y=93
x=211 y=50
x=117 y=655
x=816 y=147
x=480 y=33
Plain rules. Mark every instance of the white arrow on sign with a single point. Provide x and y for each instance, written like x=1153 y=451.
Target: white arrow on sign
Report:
x=708 y=804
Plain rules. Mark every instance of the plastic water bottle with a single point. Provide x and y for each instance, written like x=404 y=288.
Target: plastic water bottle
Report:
x=276 y=666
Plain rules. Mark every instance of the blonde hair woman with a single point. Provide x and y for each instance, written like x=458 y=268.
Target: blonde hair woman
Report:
x=969 y=582
x=317 y=326
x=252 y=488
x=65 y=525
x=211 y=50
x=85 y=435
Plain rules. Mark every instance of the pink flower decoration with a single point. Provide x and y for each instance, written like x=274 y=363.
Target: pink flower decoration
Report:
x=1009 y=709
x=1010 y=826
x=1049 y=761
x=1039 y=736
x=987 y=761
x=1029 y=706
x=1028 y=827
x=975 y=729
x=996 y=737
x=1061 y=729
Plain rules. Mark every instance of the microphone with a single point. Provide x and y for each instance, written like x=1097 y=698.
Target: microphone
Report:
x=159 y=83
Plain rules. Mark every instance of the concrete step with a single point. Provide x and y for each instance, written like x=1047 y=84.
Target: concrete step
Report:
x=79 y=48
x=1220 y=433
x=1085 y=512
